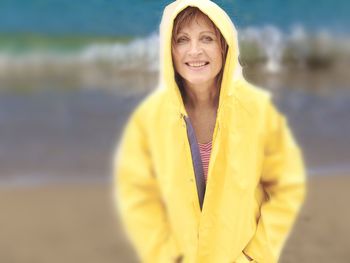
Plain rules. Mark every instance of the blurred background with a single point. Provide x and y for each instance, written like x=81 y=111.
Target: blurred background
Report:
x=72 y=71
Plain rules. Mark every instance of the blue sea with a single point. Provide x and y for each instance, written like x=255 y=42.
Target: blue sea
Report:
x=140 y=18
x=124 y=34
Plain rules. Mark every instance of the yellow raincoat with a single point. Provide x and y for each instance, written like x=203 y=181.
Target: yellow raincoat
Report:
x=256 y=181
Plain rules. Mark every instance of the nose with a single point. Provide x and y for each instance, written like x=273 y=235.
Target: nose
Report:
x=195 y=49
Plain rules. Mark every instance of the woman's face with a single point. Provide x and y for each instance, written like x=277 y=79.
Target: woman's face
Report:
x=197 y=53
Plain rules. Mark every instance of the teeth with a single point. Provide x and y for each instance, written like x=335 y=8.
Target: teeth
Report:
x=197 y=64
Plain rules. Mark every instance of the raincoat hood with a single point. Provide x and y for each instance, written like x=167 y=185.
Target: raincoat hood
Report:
x=232 y=69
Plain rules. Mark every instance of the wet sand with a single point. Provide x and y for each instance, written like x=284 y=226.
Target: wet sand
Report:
x=78 y=223
x=59 y=134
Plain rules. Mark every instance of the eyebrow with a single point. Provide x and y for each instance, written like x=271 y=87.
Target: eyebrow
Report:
x=181 y=32
x=208 y=32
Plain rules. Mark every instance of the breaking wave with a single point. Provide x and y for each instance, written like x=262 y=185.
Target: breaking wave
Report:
x=99 y=63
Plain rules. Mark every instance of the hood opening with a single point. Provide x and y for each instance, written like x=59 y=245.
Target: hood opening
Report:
x=230 y=70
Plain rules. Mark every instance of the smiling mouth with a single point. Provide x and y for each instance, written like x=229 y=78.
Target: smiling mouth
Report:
x=197 y=64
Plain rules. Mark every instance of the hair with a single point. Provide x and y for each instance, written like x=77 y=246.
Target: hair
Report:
x=183 y=19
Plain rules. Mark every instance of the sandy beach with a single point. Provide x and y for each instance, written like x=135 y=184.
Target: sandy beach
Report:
x=78 y=223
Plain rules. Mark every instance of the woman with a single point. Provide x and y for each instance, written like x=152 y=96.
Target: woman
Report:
x=207 y=170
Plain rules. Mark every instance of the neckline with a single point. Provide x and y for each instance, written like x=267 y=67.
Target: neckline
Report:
x=204 y=144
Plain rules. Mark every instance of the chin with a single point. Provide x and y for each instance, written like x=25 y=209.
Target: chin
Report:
x=200 y=81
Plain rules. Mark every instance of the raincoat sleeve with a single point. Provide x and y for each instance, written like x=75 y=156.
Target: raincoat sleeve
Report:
x=283 y=180
x=138 y=198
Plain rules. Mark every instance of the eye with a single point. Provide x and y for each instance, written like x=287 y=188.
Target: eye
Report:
x=181 y=40
x=207 y=39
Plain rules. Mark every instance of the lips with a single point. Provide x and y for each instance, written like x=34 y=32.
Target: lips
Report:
x=197 y=64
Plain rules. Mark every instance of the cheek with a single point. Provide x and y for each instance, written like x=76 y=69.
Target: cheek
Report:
x=217 y=58
x=176 y=58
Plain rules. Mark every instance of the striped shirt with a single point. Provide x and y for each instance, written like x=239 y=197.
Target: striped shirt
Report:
x=205 y=150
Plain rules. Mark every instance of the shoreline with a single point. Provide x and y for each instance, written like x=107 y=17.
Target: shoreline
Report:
x=42 y=180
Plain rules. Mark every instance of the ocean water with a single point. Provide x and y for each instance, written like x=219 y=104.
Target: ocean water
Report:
x=71 y=72
x=42 y=35
x=123 y=35
x=141 y=17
